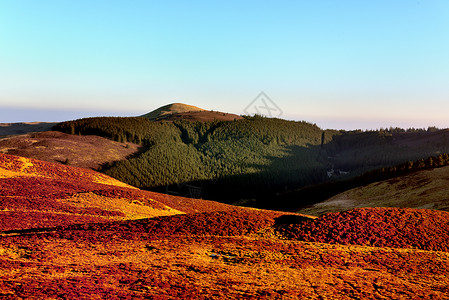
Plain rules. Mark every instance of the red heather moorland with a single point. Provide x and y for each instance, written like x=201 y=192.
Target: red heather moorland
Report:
x=380 y=227
x=36 y=194
x=71 y=233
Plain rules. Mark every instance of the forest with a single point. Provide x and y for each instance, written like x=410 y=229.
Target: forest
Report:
x=295 y=199
x=250 y=160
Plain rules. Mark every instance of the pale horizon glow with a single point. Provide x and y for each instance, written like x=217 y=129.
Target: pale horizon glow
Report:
x=339 y=64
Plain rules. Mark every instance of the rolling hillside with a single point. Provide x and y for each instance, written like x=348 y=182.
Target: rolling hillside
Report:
x=180 y=111
x=220 y=157
x=201 y=116
x=36 y=194
x=68 y=232
x=9 y=129
x=252 y=160
x=80 y=151
x=422 y=189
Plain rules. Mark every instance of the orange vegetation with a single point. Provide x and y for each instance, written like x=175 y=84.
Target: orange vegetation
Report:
x=35 y=194
x=66 y=234
x=382 y=227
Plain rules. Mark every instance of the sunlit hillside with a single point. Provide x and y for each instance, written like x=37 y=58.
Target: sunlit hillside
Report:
x=68 y=232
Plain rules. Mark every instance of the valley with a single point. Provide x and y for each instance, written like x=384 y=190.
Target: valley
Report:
x=421 y=189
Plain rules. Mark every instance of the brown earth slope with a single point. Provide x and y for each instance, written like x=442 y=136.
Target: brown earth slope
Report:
x=87 y=151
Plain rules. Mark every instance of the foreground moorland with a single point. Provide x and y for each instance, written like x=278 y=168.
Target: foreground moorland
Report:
x=68 y=232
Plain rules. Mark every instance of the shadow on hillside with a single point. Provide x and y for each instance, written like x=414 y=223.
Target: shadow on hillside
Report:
x=301 y=176
x=297 y=167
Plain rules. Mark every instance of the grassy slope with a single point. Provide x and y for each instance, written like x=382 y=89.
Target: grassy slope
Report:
x=40 y=194
x=423 y=189
x=171 y=109
x=80 y=151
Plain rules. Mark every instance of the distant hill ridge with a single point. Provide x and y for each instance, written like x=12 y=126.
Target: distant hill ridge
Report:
x=180 y=111
x=7 y=129
x=171 y=109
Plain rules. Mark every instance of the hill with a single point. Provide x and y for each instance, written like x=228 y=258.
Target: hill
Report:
x=72 y=233
x=8 y=129
x=421 y=189
x=35 y=194
x=80 y=151
x=254 y=159
x=220 y=158
x=179 y=111
x=171 y=109
x=201 y=116
x=39 y=194
x=358 y=151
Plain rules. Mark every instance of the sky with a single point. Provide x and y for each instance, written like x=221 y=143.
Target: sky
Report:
x=339 y=64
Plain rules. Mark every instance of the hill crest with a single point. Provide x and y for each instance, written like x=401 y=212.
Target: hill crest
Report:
x=180 y=111
x=170 y=109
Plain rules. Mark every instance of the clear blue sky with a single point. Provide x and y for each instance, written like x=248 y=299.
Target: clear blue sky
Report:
x=345 y=64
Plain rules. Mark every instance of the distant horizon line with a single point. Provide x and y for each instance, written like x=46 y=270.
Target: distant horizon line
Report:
x=48 y=115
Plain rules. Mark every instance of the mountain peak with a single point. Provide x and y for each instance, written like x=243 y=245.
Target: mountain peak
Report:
x=170 y=109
